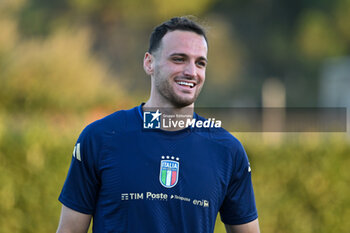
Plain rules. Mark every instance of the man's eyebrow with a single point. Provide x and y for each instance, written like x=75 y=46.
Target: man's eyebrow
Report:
x=185 y=55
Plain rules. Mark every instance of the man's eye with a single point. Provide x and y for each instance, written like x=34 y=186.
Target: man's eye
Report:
x=178 y=59
x=202 y=63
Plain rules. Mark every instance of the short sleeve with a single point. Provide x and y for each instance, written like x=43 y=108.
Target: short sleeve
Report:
x=80 y=189
x=239 y=204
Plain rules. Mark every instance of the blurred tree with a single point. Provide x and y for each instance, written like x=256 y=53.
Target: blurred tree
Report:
x=120 y=29
x=318 y=37
x=342 y=18
x=288 y=40
x=262 y=39
x=54 y=75
x=50 y=88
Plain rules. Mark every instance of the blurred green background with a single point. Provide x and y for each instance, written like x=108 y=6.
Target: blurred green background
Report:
x=66 y=63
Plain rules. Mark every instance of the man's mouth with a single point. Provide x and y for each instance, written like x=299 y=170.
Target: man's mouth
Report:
x=186 y=84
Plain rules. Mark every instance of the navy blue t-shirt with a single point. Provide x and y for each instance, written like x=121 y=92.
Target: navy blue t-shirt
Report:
x=135 y=180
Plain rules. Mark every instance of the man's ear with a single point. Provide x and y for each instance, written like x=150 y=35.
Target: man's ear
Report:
x=148 y=63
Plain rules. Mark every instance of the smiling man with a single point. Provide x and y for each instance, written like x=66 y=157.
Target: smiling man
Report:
x=175 y=180
x=177 y=68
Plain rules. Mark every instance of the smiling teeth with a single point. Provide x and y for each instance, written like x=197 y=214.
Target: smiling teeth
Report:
x=186 y=83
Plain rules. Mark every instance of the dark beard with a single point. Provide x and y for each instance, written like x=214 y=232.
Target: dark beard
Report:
x=177 y=101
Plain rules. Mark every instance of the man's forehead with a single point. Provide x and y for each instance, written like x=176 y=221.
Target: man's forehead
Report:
x=185 y=42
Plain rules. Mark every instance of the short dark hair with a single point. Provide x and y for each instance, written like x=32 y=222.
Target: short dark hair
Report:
x=183 y=23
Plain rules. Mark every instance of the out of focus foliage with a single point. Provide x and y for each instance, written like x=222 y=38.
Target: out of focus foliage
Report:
x=250 y=41
x=65 y=63
x=49 y=89
x=287 y=40
x=56 y=74
x=301 y=185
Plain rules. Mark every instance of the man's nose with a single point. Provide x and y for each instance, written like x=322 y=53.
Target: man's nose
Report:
x=190 y=70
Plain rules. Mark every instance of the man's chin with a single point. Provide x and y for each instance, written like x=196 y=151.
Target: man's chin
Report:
x=182 y=103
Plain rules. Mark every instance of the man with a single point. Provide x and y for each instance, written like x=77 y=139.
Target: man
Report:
x=164 y=180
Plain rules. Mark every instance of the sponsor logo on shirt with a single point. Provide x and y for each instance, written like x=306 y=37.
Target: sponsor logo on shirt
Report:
x=150 y=196
x=147 y=196
x=131 y=196
x=203 y=203
x=180 y=198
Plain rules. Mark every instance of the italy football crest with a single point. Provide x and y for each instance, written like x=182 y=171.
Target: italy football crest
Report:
x=169 y=173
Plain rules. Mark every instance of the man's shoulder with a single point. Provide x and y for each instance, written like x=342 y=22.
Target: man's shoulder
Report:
x=115 y=122
x=220 y=136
